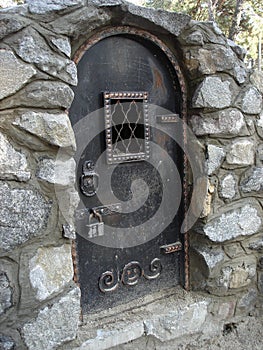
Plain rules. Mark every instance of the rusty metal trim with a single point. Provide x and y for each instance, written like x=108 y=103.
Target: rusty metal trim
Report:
x=119 y=30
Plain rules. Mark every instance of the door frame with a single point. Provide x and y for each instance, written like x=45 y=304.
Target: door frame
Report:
x=119 y=30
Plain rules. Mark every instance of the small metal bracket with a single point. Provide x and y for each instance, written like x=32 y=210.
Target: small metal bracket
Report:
x=171 y=248
x=109 y=209
x=89 y=180
x=167 y=118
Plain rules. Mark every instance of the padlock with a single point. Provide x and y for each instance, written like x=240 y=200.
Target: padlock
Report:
x=95 y=229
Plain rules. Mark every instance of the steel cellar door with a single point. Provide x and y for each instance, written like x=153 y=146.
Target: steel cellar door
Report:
x=121 y=75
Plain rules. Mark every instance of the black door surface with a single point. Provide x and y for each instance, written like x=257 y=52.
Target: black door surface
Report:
x=119 y=255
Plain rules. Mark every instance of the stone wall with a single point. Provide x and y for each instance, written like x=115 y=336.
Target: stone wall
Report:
x=39 y=302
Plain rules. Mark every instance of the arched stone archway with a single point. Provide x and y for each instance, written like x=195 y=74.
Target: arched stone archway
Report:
x=224 y=102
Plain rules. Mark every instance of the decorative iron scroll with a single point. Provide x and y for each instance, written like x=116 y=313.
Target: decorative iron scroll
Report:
x=130 y=275
x=127 y=126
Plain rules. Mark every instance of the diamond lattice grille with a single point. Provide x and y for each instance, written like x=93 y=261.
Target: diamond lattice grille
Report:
x=127 y=129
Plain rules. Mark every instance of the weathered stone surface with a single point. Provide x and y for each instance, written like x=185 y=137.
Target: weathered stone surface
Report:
x=215 y=157
x=228 y=122
x=212 y=59
x=250 y=101
x=247 y=302
x=181 y=322
x=106 y=339
x=54 y=325
x=212 y=257
x=252 y=181
x=245 y=220
x=208 y=91
x=45 y=94
x=259 y=124
x=80 y=21
x=13 y=73
x=227 y=309
x=241 y=153
x=68 y=201
x=45 y=6
x=254 y=243
x=54 y=129
x=57 y=171
x=257 y=245
x=195 y=38
x=69 y=231
x=5 y=293
x=260 y=152
x=50 y=270
x=260 y=282
x=209 y=31
x=10 y=24
x=13 y=164
x=256 y=79
x=238 y=273
x=233 y=250
x=32 y=48
x=6 y=343
x=171 y=21
x=239 y=50
x=63 y=44
x=23 y=214
x=228 y=186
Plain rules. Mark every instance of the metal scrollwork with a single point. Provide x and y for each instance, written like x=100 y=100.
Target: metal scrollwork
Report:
x=107 y=282
x=155 y=269
x=131 y=273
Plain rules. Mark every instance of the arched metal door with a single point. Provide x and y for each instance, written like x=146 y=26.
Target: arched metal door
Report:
x=122 y=75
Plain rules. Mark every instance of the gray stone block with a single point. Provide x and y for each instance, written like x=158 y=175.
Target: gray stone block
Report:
x=259 y=124
x=23 y=214
x=215 y=157
x=44 y=94
x=247 y=302
x=171 y=21
x=213 y=257
x=50 y=270
x=10 y=24
x=54 y=129
x=6 y=343
x=228 y=185
x=13 y=73
x=57 y=171
x=233 y=250
x=208 y=91
x=180 y=322
x=32 y=48
x=243 y=221
x=241 y=152
x=83 y=20
x=252 y=181
x=5 y=293
x=46 y=6
x=13 y=164
x=54 y=325
x=62 y=44
x=250 y=101
x=260 y=282
x=226 y=123
x=236 y=274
